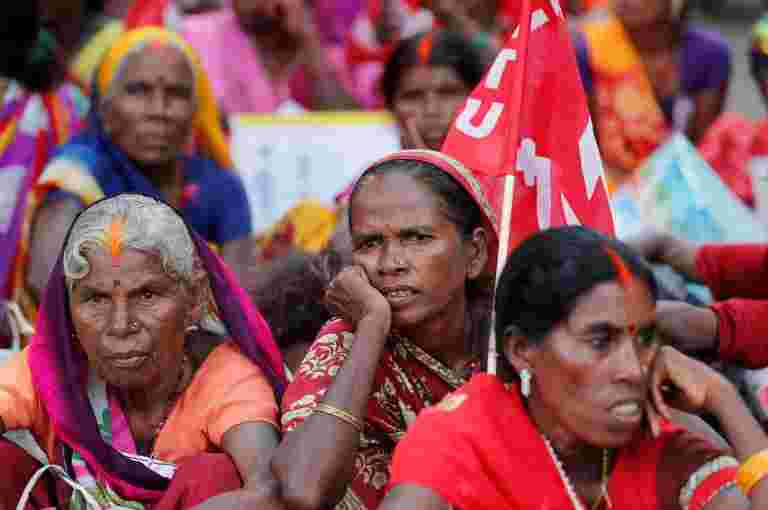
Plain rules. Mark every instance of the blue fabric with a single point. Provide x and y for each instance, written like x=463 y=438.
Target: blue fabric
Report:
x=705 y=64
x=216 y=205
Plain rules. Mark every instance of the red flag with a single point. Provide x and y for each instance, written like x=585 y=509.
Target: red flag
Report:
x=529 y=118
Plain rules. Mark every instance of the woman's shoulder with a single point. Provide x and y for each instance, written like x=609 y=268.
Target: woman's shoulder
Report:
x=706 y=43
x=479 y=398
x=227 y=361
x=78 y=149
x=209 y=174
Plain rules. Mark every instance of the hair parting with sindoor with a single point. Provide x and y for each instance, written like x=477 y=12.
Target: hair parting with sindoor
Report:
x=547 y=274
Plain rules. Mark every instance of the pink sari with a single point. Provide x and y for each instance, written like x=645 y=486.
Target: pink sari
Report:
x=239 y=79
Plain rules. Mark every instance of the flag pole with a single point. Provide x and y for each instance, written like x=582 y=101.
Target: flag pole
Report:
x=513 y=135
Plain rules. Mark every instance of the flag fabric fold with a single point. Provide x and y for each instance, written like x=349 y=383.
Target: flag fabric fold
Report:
x=528 y=120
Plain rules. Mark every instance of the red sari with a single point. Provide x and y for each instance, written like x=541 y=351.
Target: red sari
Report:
x=407 y=381
x=484 y=452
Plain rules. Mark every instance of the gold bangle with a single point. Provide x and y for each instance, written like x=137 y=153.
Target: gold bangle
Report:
x=752 y=471
x=340 y=414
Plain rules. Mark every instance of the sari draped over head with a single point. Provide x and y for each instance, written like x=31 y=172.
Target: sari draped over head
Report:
x=91 y=167
x=407 y=380
x=60 y=376
x=32 y=125
x=485 y=452
x=103 y=169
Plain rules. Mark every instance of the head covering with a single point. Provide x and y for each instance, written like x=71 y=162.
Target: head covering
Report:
x=59 y=371
x=206 y=122
x=468 y=181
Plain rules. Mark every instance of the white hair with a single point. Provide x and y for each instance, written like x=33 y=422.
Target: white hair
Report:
x=147 y=225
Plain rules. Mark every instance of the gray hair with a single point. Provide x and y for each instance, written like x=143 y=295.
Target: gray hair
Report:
x=147 y=225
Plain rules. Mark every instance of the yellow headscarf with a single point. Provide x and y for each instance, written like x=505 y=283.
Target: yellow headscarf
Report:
x=206 y=122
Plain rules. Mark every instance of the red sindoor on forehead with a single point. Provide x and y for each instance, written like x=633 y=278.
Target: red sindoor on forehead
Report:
x=626 y=279
x=425 y=48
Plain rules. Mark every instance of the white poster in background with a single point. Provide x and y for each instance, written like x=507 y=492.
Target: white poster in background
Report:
x=284 y=159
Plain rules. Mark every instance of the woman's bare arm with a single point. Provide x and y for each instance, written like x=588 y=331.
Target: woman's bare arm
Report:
x=49 y=229
x=413 y=497
x=315 y=462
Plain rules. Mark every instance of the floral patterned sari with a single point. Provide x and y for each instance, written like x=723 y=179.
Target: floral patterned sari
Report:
x=406 y=381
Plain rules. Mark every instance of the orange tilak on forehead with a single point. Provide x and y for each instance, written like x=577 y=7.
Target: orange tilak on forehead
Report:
x=114 y=239
x=628 y=281
x=425 y=48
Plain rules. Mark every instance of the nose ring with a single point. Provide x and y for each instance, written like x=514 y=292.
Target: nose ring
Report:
x=133 y=326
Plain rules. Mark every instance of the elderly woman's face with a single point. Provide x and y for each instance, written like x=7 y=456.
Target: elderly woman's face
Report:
x=150 y=109
x=590 y=375
x=412 y=253
x=130 y=317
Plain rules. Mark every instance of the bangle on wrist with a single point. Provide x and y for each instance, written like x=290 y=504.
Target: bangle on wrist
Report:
x=339 y=414
x=752 y=472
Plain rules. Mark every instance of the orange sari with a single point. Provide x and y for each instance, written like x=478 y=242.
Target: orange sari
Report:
x=629 y=121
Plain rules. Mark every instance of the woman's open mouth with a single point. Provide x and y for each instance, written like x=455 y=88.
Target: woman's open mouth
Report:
x=629 y=412
x=128 y=362
x=398 y=296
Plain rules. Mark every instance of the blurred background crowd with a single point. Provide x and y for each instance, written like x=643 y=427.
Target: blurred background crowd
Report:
x=83 y=118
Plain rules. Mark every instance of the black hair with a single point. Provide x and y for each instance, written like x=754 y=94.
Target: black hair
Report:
x=546 y=275
x=290 y=294
x=20 y=33
x=461 y=209
x=449 y=49
x=455 y=202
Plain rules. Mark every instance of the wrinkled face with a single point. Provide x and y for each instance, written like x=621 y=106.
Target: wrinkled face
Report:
x=151 y=106
x=430 y=96
x=130 y=317
x=410 y=251
x=642 y=13
x=590 y=375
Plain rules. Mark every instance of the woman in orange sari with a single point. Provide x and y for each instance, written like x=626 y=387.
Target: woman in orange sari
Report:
x=648 y=73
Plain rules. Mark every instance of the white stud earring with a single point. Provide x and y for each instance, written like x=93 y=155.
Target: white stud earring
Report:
x=525 y=382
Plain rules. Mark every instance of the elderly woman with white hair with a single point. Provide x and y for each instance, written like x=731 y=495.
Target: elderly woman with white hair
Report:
x=151 y=379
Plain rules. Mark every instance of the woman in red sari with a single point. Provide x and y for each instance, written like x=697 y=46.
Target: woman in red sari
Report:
x=417 y=306
x=576 y=318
